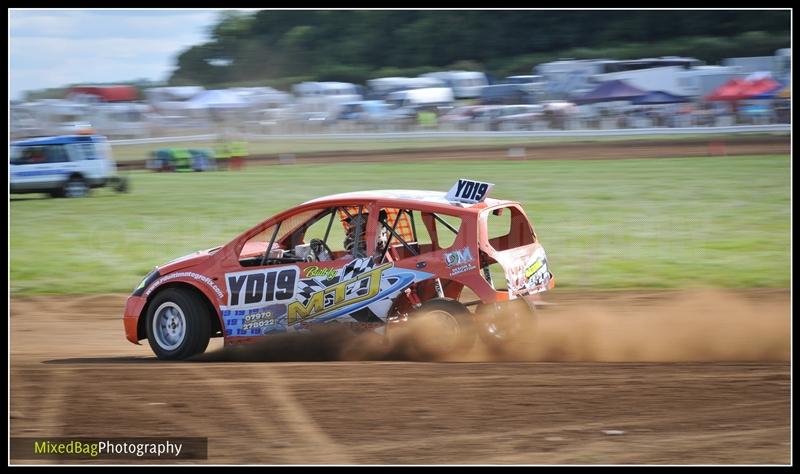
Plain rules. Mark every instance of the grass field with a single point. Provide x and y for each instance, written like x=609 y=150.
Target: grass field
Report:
x=699 y=222
x=321 y=143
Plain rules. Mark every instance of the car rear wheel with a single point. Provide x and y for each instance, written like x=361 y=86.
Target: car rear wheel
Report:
x=503 y=325
x=442 y=327
x=178 y=325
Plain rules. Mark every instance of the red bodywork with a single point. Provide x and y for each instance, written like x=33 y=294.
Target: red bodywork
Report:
x=456 y=267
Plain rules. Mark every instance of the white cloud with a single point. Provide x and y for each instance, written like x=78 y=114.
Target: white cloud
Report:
x=54 y=48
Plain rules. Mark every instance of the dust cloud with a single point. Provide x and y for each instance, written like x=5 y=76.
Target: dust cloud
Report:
x=683 y=326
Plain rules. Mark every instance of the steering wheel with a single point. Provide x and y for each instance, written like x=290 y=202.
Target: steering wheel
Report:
x=320 y=249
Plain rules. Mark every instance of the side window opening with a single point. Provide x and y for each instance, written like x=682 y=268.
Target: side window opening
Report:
x=447 y=228
x=397 y=234
x=315 y=235
x=407 y=232
x=287 y=241
x=508 y=228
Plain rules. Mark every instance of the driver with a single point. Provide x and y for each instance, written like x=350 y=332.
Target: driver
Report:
x=361 y=223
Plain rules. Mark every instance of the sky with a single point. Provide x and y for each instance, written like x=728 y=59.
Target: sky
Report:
x=54 y=48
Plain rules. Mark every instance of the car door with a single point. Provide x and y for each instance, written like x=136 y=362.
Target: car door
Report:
x=346 y=289
x=296 y=287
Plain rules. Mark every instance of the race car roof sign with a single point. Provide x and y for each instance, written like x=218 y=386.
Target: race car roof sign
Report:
x=469 y=191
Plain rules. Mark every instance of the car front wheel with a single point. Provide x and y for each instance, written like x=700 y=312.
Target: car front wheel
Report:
x=178 y=325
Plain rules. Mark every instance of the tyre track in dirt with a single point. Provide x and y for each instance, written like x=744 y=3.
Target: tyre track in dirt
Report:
x=280 y=425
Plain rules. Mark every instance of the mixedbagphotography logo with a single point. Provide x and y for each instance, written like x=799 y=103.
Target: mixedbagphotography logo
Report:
x=108 y=448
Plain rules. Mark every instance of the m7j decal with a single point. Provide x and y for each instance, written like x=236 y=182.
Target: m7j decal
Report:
x=313 y=295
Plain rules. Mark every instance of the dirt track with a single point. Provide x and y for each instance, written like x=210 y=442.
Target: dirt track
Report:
x=73 y=374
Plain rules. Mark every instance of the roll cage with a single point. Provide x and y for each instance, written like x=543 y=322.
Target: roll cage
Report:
x=353 y=219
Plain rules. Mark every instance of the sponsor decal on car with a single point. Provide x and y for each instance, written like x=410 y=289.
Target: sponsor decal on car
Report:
x=317 y=272
x=457 y=257
x=194 y=276
x=315 y=295
x=254 y=321
x=342 y=295
x=353 y=326
x=459 y=261
x=462 y=269
x=247 y=288
x=530 y=275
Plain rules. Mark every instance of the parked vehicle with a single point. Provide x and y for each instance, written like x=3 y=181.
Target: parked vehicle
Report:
x=460 y=118
x=323 y=100
x=181 y=160
x=509 y=117
x=465 y=84
x=406 y=104
x=63 y=166
x=383 y=86
x=506 y=94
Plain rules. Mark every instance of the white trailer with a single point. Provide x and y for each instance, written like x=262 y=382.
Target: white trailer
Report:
x=570 y=78
x=380 y=87
x=676 y=80
x=416 y=98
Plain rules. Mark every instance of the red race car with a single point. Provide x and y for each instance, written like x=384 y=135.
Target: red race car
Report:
x=365 y=259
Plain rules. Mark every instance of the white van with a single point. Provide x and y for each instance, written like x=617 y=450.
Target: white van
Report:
x=323 y=100
x=465 y=84
x=381 y=87
x=63 y=166
x=428 y=97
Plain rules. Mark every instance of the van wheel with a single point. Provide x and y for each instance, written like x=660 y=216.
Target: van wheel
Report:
x=178 y=325
x=75 y=187
x=121 y=184
x=442 y=327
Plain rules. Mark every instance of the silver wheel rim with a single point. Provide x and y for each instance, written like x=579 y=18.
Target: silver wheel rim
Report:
x=503 y=329
x=75 y=188
x=169 y=326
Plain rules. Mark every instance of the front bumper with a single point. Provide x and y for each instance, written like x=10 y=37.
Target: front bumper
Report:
x=133 y=310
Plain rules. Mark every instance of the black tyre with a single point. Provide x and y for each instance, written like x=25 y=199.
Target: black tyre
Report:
x=442 y=327
x=121 y=184
x=501 y=326
x=178 y=325
x=75 y=187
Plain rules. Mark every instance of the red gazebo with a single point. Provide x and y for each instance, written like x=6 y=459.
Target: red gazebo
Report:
x=743 y=89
